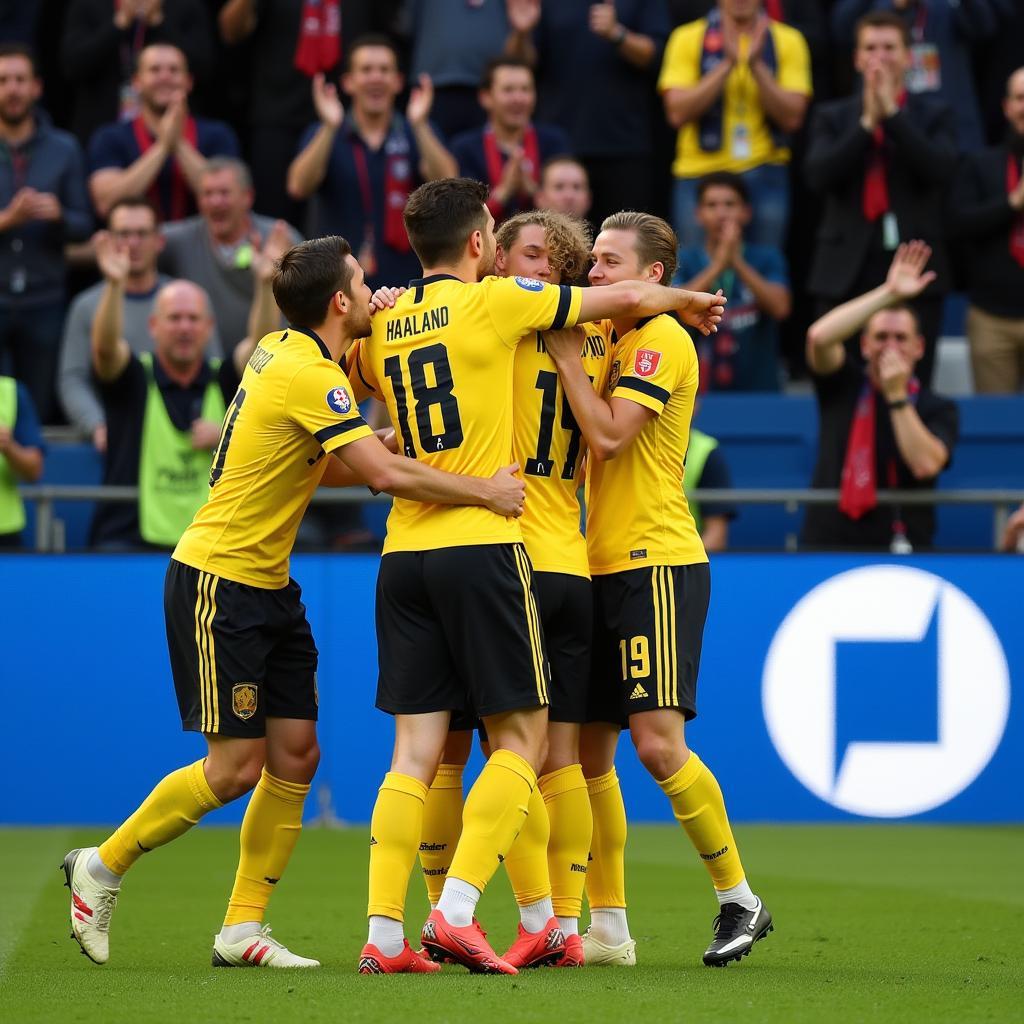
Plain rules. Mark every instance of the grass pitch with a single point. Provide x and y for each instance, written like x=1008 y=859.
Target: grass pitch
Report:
x=873 y=923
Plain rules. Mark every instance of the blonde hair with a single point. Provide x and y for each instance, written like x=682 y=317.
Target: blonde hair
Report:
x=656 y=242
x=568 y=240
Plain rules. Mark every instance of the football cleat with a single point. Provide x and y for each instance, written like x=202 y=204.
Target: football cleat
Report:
x=573 y=955
x=373 y=961
x=91 y=906
x=467 y=946
x=736 y=931
x=258 y=950
x=597 y=954
x=537 y=949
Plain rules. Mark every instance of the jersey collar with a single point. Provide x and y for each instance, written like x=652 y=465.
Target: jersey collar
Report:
x=644 y=321
x=419 y=282
x=324 y=351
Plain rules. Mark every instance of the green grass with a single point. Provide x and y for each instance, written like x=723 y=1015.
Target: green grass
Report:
x=873 y=923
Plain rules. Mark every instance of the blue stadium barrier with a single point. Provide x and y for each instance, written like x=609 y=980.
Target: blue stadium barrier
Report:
x=832 y=688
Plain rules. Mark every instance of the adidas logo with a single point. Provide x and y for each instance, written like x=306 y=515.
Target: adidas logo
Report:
x=638 y=692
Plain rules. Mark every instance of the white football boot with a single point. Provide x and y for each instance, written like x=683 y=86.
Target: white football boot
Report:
x=91 y=906
x=257 y=950
x=597 y=954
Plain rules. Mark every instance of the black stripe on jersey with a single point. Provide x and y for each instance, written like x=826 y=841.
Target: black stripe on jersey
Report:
x=645 y=387
x=359 y=370
x=339 y=428
x=564 y=302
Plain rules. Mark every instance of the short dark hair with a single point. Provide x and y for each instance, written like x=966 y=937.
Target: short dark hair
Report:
x=882 y=19
x=441 y=215
x=162 y=45
x=898 y=307
x=725 y=179
x=503 y=62
x=370 y=39
x=134 y=203
x=21 y=50
x=307 y=277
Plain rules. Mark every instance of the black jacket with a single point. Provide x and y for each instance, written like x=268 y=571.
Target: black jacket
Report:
x=920 y=142
x=981 y=216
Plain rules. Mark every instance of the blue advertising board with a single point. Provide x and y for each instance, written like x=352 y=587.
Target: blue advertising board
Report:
x=831 y=688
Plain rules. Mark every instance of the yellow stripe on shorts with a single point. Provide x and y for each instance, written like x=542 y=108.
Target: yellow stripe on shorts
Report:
x=536 y=647
x=206 y=608
x=673 y=647
x=658 y=639
x=200 y=610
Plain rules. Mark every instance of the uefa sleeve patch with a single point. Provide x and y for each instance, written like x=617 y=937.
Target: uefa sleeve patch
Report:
x=339 y=400
x=530 y=284
x=646 y=362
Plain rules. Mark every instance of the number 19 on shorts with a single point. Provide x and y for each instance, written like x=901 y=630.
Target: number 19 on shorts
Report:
x=636 y=661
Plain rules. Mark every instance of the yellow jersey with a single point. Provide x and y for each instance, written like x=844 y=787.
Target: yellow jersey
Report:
x=442 y=362
x=637 y=513
x=549 y=448
x=293 y=406
x=746 y=133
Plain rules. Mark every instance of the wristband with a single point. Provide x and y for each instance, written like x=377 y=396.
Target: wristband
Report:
x=620 y=35
x=899 y=403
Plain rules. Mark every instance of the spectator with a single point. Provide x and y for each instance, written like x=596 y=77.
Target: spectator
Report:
x=987 y=211
x=508 y=152
x=706 y=468
x=882 y=159
x=362 y=167
x=744 y=354
x=452 y=43
x=43 y=204
x=22 y=450
x=102 y=41
x=607 y=52
x=164 y=409
x=215 y=249
x=735 y=84
x=879 y=426
x=161 y=152
x=564 y=187
x=133 y=225
x=942 y=34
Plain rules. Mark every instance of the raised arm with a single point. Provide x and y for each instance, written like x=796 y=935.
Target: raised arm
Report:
x=308 y=169
x=264 y=316
x=110 y=352
x=237 y=20
x=906 y=279
x=523 y=18
x=683 y=105
x=435 y=161
x=923 y=452
x=700 y=310
x=785 y=107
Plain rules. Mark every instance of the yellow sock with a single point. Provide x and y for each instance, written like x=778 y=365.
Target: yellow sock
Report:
x=572 y=823
x=606 y=874
x=270 y=830
x=175 y=805
x=698 y=806
x=526 y=862
x=395 y=830
x=442 y=826
x=494 y=813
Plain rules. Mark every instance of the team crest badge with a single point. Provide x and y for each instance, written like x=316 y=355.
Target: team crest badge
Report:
x=339 y=400
x=646 y=362
x=613 y=377
x=243 y=700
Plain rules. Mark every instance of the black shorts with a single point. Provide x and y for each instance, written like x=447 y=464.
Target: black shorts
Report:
x=458 y=630
x=648 y=627
x=567 y=618
x=239 y=654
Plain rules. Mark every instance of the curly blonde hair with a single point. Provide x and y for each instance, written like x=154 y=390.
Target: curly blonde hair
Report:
x=568 y=240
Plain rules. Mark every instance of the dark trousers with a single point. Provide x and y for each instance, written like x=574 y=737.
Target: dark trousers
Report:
x=29 y=343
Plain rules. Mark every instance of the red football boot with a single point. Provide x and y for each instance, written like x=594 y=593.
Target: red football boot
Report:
x=573 y=955
x=467 y=946
x=373 y=961
x=537 y=949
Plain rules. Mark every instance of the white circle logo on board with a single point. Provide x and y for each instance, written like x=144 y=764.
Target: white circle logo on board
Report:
x=877 y=605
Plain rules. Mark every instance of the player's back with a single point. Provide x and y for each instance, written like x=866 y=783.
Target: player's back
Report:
x=637 y=513
x=549 y=447
x=293 y=403
x=442 y=361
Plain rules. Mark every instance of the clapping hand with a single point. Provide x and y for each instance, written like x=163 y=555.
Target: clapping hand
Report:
x=421 y=99
x=172 y=122
x=523 y=15
x=329 y=108
x=907 y=277
x=266 y=254
x=894 y=370
x=111 y=257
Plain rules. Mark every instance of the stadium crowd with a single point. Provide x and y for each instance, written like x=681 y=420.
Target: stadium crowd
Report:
x=796 y=146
